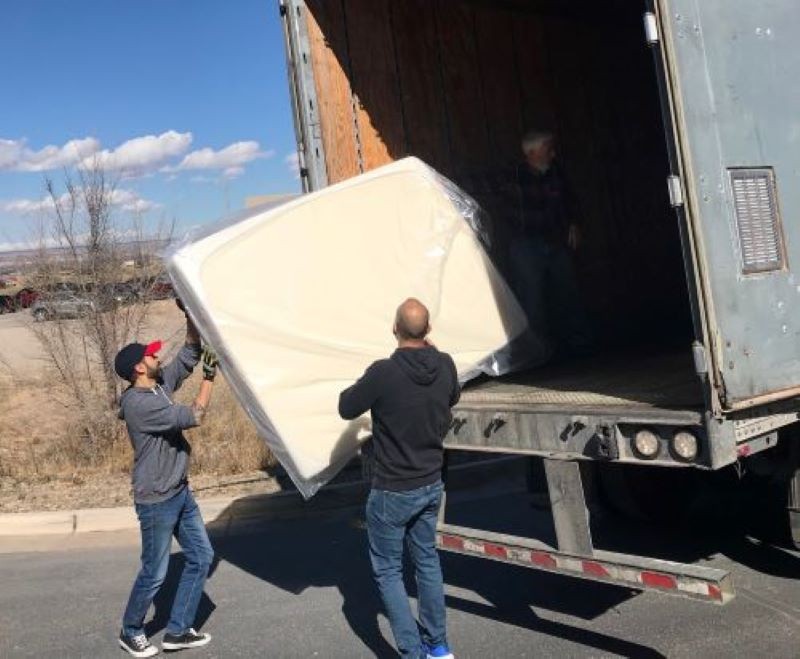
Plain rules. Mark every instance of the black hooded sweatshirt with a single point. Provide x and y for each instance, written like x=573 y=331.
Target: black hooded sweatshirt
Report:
x=409 y=397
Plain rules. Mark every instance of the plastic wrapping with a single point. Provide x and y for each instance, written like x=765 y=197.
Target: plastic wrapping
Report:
x=298 y=300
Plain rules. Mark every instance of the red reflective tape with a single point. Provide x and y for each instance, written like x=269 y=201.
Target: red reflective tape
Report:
x=543 y=559
x=452 y=542
x=595 y=569
x=496 y=551
x=714 y=592
x=743 y=451
x=658 y=580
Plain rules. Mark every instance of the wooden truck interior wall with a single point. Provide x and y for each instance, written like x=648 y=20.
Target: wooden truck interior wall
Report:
x=457 y=83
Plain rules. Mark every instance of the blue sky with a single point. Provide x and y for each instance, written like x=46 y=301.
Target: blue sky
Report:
x=186 y=99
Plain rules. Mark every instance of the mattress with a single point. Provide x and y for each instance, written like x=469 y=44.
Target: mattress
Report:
x=298 y=300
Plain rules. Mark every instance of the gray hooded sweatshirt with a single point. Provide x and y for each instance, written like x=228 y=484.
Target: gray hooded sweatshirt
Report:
x=155 y=425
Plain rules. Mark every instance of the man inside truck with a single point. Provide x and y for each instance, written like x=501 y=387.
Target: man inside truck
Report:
x=541 y=252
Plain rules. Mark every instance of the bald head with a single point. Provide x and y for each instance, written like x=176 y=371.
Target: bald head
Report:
x=411 y=323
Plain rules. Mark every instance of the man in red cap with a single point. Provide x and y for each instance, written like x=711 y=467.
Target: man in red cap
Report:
x=161 y=493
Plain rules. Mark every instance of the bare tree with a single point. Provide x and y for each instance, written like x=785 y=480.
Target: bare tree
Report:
x=104 y=261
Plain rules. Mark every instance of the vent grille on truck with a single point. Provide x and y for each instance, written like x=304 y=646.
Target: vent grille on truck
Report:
x=757 y=220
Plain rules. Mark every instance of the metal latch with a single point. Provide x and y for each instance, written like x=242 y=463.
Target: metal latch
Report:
x=675 y=190
x=494 y=425
x=457 y=424
x=606 y=443
x=650 y=28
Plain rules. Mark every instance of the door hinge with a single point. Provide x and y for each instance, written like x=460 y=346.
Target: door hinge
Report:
x=650 y=28
x=675 y=190
x=700 y=360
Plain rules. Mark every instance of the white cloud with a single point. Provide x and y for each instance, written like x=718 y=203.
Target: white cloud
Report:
x=292 y=161
x=28 y=206
x=231 y=159
x=15 y=155
x=55 y=157
x=139 y=156
x=10 y=153
x=124 y=199
x=233 y=172
x=142 y=155
x=201 y=178
x=22 y=246
x=128 y=200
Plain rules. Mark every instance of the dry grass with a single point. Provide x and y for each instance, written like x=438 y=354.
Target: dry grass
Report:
x=42 y=439
x=227 y=442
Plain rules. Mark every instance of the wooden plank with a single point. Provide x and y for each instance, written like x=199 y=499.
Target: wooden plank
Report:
x=375 y=82
x=495 y=44
x=534 y=76
x=585 y=168
x=329 y=59
x=420 y=81
x=469 y=143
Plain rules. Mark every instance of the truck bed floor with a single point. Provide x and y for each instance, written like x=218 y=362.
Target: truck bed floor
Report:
x=644 y=380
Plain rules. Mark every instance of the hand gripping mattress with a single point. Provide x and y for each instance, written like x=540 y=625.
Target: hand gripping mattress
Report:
x=298 y=300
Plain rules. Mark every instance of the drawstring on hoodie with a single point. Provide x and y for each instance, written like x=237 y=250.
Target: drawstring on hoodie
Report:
x=164 y=393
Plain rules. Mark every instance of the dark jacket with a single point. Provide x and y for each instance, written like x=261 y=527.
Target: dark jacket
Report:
x=155 y=424
x=409 y=396
x=547 y=206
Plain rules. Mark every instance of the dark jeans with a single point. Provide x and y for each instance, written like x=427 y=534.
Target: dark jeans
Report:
x=547 y=288
x=158 y=522
x=395 y=518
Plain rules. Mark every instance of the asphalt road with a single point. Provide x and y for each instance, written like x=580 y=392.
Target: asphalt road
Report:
x=302 y=588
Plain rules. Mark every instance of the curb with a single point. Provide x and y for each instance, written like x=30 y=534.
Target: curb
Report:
x=507 y=471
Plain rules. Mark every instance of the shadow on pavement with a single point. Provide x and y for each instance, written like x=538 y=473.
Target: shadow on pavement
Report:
x=324 y=546
x=330 y=551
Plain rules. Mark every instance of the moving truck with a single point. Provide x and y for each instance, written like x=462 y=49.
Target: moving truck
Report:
x=678 y=129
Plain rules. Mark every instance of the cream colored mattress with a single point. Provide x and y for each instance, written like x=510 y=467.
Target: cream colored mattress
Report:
x=298 y=300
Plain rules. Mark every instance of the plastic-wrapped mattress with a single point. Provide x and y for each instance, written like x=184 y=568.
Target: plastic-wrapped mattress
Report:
x=298 y=300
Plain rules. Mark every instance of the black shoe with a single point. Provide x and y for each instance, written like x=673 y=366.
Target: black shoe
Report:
x=138 y=645
x=189 y=639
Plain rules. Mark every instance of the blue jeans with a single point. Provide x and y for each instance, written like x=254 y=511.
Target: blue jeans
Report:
x=547 y=288
x=158 y=522
x=392 y=518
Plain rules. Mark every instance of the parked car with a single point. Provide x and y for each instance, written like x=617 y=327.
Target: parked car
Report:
x=118 y=293
x=155 y=288
x=25 y=297
x=61 y=305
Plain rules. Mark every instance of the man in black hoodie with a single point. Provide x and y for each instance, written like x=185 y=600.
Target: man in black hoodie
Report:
x=409 y=397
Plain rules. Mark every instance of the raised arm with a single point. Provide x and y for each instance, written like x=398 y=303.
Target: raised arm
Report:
x=356 y=400
x=174 y=373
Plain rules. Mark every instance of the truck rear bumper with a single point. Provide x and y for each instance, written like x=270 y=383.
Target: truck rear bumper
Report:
x=697 y=582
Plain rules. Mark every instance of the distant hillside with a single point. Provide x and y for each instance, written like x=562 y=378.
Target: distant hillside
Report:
x=16 y=260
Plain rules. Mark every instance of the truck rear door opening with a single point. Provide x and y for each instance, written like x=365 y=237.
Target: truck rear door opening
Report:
x=458 y=84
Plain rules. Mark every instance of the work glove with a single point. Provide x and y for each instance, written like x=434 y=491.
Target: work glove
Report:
x=210 y=363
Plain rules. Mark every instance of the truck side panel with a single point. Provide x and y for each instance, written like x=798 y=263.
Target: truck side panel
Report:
x=331 y=65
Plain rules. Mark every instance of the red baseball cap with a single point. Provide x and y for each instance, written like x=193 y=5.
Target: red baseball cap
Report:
x=152 y=349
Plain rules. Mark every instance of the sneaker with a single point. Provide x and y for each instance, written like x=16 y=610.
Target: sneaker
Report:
x=189 y=639
x=439 y=652
x=138 y=645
